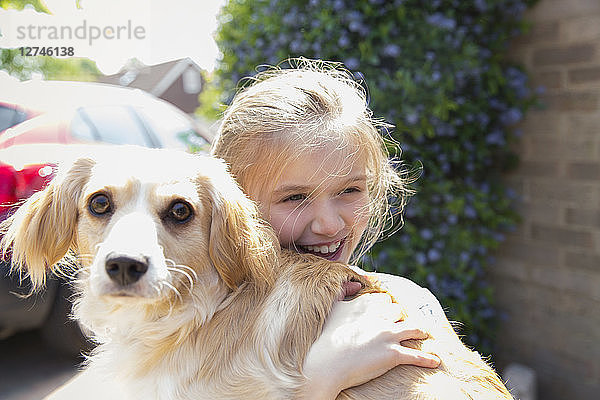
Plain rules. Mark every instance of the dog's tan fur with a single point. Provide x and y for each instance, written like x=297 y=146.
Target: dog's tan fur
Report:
x=228 y=315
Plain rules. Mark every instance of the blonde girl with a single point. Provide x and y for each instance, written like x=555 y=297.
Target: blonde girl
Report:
x=303 y=144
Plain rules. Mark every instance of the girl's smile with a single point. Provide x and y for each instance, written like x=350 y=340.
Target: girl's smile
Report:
x=330 y=252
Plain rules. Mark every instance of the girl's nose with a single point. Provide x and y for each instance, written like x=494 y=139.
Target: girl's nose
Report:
x=327 y=222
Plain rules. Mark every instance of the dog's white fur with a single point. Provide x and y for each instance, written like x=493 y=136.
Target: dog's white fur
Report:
x=221 y=312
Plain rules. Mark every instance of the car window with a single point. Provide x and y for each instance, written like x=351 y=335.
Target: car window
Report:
x=10 y=117
x=170 y=126
x=81 y=128
x=111 y=124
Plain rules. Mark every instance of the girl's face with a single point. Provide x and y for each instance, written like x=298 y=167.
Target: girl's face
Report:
x=319 y=204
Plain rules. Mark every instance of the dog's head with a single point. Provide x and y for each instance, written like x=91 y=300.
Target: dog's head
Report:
x=145 y=224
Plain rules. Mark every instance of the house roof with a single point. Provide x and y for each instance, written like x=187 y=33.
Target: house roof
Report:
x=155 y=79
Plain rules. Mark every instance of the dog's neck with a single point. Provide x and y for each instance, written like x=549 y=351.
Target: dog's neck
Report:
x=149 y=341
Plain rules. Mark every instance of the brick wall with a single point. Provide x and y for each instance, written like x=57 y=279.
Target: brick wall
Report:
x=547 y=277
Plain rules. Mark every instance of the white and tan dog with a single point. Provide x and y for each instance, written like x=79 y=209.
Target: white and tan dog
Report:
x=187 y=292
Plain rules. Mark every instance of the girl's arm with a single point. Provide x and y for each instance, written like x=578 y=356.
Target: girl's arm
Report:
x=360 y=341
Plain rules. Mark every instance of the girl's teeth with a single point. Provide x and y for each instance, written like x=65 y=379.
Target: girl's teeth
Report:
x=323 y=249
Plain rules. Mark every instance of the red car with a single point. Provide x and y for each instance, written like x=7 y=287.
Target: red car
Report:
x=44 y=119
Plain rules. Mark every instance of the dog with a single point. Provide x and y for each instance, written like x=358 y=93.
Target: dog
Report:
x=186 y=289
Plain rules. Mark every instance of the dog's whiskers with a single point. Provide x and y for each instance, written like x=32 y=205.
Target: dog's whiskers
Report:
x=173 y=264
x=184 y=273
x=183 y=269
x=173 y=288
x=189 y=286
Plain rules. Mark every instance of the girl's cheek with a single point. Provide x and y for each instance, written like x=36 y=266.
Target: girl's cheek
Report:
x=360 y=211
x=286 y=226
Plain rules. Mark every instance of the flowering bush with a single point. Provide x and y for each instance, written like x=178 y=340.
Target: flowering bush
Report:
x=436 y=70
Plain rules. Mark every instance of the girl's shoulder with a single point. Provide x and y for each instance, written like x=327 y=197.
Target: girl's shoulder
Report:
x=406 y=292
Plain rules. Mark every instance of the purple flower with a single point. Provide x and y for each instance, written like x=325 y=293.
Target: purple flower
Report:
x=511 y=116
x=480 y=5
x=470 y=212
x=412 y=118
x=338 y=5
x=426 y=234
x=391 y=50
x=432 y=280
x=434 y=255
x=496 y=137
x=352 y=63
x=343 y=41
x=441 y=21
x=484 y=119
x=289 y=19
x=354 y=16
x=410 y=212
x=511 y=193
x=464 y=257
x=296 y=46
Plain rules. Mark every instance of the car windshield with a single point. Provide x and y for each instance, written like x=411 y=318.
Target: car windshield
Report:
x=114 y=124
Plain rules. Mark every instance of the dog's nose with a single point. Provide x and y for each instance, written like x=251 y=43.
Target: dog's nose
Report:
x=125 y=269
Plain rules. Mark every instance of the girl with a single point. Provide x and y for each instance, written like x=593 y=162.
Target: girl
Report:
x=303 y=145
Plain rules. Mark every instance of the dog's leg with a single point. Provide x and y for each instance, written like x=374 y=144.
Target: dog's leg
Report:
x=312 y=286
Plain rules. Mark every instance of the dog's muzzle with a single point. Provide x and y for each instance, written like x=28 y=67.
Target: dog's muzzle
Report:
x=124 y=269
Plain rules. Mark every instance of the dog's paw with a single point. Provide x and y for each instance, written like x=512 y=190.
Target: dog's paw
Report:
x=350 y=289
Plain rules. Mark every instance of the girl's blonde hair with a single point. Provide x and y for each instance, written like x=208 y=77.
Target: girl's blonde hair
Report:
x=284 y=112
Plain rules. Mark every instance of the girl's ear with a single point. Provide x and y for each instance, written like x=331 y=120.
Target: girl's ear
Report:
x=42 y=230
x=241 y=246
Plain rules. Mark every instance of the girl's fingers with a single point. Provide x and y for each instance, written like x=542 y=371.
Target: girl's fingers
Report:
x=405 y=331
x=406 y=355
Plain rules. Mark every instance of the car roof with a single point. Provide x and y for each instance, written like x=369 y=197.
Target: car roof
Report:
x=51 y=95
x=62 y=97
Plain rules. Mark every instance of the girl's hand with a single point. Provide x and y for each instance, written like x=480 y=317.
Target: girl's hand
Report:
x=361 y=340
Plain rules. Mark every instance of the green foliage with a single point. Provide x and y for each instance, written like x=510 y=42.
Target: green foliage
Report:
x=210 y=106
x=37 y=5
x=23 y=67
x=437 y=70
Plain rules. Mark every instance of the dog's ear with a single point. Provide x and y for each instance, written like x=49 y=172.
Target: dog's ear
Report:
x=242 y=247
x=42 y=230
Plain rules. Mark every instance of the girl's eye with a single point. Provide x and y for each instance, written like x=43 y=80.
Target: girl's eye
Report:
x=180 y=211
x=295 y=197
x=351 y=190
x=99 y=204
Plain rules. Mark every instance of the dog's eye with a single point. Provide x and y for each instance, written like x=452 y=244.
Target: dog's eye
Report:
x=99 y=204
x=180 y=211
